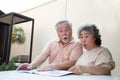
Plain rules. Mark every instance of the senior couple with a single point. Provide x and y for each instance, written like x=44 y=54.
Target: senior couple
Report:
x=85 y=56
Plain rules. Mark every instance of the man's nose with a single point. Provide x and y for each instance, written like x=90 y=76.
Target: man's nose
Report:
x=64 y=33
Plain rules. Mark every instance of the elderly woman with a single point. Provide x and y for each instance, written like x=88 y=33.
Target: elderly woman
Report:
x=95 y=59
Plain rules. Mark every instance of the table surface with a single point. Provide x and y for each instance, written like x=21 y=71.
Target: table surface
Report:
x=16 y=75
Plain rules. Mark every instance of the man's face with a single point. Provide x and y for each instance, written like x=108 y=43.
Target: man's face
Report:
x=64 y=32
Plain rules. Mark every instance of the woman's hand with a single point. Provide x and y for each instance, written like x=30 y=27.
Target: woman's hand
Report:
x=76 y=69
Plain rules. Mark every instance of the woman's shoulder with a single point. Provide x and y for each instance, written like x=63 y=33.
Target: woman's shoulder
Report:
x=105 y=51
x=100 y=50
x=104 y=48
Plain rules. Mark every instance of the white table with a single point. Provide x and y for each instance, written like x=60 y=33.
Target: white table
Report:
x=15 y=75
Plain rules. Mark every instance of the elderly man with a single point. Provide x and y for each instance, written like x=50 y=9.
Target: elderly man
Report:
x=62 y=53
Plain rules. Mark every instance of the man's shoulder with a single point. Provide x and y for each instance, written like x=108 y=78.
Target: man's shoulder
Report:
x=76 y=44
x=53 y=42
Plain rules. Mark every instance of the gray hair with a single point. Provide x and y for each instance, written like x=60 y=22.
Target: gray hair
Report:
x=64 y=21
x=93 y=29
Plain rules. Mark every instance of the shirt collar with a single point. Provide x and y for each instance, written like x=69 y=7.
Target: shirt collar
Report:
x=71 y=41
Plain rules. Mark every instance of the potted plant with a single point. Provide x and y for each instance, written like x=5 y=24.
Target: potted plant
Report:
x=9 y=66
x=18 y=35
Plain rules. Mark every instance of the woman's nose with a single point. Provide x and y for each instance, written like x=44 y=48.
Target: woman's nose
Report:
x=83 y=40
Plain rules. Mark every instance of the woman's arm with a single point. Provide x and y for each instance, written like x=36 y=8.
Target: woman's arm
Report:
x=95 y=70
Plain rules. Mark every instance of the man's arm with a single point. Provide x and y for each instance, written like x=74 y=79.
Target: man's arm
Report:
x=38 y=60
x=59 y=66
x=65 y=65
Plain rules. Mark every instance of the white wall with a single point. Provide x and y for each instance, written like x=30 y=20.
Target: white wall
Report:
x=104 y=13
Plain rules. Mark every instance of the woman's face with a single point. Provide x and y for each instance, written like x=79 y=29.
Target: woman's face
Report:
x=87 y=39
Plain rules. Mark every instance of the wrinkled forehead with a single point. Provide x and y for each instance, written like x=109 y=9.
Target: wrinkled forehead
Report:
x=89 y=30
x=64 y=24
x=85 y=32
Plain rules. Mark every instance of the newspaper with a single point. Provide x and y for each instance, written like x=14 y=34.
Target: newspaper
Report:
x=56 y=73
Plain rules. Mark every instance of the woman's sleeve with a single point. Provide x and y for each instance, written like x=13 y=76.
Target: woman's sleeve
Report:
x=105 y=59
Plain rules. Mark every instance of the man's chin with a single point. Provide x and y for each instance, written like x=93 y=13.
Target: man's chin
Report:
x=65 y=41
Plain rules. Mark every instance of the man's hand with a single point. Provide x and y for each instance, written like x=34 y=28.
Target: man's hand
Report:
x=24 y=66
